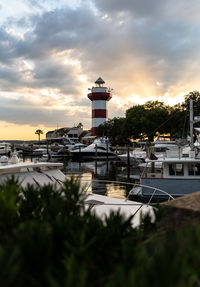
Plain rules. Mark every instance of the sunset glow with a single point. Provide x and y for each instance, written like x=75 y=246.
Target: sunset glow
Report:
x=53 y=51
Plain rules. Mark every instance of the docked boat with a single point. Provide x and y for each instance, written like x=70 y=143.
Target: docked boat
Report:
x=36 y=173
x=136 y=157
x=178 y=176
x=42 y=173
x=60 y=154
x=5 y=148
x=39 y=151
x=65 y=151
x=102 y=206
x=99 y=149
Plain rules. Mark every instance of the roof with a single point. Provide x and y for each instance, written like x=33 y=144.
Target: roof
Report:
x=175 y=160
x=99 y=81
x=89 y=137
x=14 y=167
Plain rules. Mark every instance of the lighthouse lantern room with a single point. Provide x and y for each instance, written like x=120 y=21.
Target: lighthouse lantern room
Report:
x=99 y=96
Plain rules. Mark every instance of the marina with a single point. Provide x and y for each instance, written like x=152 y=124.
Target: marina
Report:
x=105 y=204
x=99 y=143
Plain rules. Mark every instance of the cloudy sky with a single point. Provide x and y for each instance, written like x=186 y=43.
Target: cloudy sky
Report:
x=51 y=52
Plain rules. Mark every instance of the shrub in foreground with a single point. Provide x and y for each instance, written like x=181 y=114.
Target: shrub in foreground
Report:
x=49 y=238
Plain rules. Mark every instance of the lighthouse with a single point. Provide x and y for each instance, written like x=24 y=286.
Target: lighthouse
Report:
x=99 y=96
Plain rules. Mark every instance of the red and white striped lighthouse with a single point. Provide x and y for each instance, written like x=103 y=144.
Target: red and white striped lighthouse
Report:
x=99 y=96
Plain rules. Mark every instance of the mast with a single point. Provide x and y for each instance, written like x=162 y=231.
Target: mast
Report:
x=191 y=124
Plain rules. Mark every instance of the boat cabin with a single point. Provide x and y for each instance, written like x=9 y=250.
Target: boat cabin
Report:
x=175 y=168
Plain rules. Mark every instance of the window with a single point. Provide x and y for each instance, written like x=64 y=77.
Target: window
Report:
x=194 y=169
x=171 y=169
x=161 y=149
x=176 y=169
x=179 y=169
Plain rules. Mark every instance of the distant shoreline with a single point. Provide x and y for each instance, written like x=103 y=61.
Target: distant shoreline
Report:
x=21 y=141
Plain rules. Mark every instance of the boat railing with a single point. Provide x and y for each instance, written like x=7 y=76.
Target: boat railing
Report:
x=155 y=189
x=138 y=204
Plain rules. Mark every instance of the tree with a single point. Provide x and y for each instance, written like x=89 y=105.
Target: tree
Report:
x=150 y=119
x=80 y=125
x=177 y=124
x=39 y=132
x=195 y=96
x=146 y=120
x=114 y=129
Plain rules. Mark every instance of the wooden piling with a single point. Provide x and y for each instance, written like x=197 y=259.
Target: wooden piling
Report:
x=107 y=152
x=116 y=151
x=48 y=152
x=128 y=162
x=96 y=151
x=79 y=153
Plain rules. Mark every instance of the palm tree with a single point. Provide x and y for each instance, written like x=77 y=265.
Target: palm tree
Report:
x=80 y=125
x=39 y=132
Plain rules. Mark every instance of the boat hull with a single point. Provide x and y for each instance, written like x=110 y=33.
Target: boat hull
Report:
x=176 y=187
x=92 y=155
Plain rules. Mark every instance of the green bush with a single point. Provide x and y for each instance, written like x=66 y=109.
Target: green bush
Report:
x=49 y=238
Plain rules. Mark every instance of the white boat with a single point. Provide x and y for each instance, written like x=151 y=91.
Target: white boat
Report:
x=77 y=146
x=178 y=176
x=100 y=149
x=40 y=151
x=42 y=173
x=37 y=173
x=67 y=144
x=5 y=148
x=64 y=152
x=102 y=206
x=136 y=157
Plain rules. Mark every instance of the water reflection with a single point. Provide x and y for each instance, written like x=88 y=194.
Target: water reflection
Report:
x=101 y=176
x=97 y=176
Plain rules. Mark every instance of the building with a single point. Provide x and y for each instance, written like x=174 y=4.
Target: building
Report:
x=73 y=134
x=99 y=96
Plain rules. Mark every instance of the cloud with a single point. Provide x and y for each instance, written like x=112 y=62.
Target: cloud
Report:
x=142 y=8
x=151 y=11
x=24 y=111
x=133 y=45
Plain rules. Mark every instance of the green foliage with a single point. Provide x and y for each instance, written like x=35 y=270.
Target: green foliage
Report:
x=39 y=132
x=151 y=119
x=80 y=125
x=146 y=120
x=115 y=130
x=195 y=96
x=49 y=238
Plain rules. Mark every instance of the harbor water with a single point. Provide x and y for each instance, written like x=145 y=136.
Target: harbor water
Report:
x=103 y=177
x=110 y=178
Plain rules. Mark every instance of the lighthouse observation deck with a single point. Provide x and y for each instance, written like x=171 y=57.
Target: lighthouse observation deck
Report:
x=100 y=94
